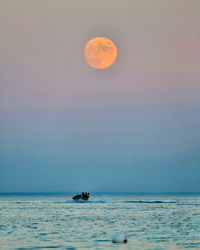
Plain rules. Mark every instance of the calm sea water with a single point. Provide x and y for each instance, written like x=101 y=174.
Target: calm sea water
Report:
x=149 y=221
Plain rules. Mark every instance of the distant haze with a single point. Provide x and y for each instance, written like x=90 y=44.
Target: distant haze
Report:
x=134 y=127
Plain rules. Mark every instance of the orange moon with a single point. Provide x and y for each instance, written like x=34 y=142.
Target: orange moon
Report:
x=100 y=52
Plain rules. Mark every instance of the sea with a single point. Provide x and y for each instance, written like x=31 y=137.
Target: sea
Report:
x=150 y=221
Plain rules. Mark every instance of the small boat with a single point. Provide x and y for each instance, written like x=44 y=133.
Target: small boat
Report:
x=83 y=196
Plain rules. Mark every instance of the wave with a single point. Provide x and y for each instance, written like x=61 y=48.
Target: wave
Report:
x=151 y=202
x=128 y=201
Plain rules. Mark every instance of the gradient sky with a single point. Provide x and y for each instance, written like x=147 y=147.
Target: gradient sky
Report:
x=134 y=127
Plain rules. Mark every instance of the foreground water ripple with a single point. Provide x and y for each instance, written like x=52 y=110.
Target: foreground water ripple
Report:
x=150 y=222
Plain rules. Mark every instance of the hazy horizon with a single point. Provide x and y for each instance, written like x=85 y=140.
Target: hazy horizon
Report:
x=61 y=193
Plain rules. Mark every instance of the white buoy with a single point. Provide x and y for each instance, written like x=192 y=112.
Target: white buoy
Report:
x=119 y=238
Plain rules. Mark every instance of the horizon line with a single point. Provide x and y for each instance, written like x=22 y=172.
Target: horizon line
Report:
x=96 y=192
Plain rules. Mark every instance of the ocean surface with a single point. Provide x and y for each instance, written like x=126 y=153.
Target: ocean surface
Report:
x=153 y=222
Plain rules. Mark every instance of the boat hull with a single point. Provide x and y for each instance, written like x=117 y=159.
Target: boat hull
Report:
x=79 y=197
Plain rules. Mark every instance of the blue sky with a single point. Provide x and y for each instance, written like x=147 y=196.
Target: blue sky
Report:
x=133 y=127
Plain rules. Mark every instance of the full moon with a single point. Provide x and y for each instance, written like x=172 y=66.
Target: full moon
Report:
x=100 y=52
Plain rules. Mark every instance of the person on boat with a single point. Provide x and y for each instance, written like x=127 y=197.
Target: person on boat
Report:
x=84 y=196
